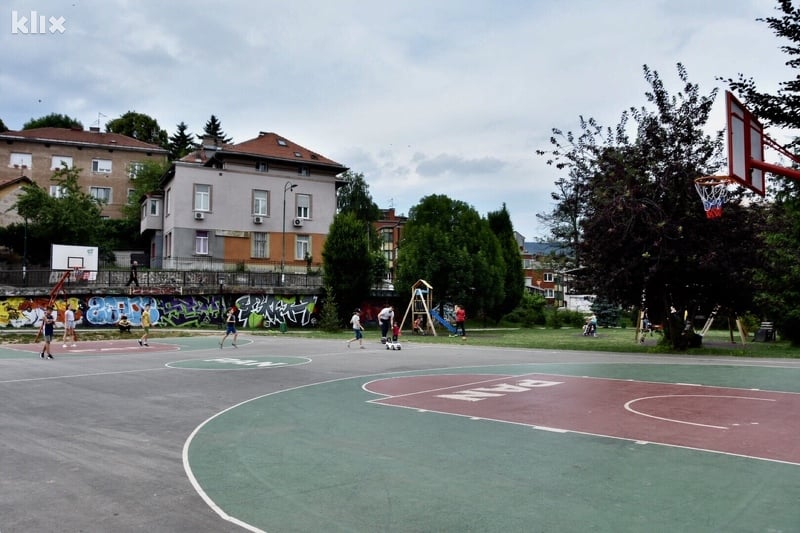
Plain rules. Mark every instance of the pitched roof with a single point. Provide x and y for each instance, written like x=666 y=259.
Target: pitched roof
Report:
x=274 y=146
x=77 y=137
x=546 y=248
x=13 y=181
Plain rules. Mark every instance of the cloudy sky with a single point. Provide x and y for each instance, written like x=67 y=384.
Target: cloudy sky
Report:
x=423 y=97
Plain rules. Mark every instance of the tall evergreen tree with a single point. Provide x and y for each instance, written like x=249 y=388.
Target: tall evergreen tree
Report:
x=514 y=278
x=180 y=143
x=213 y=128
x=3 y=127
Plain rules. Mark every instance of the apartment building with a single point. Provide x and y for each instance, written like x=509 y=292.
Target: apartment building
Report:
x=108 y=161
x=265 y=203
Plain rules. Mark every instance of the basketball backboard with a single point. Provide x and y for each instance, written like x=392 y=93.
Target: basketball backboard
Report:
x=67 y=257
x=745 y=146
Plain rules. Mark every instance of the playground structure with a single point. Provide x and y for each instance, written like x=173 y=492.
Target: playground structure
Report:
x=421 y=306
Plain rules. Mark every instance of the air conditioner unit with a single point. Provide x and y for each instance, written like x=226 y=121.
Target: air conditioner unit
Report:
x=199 y=216
x=297 y=223
x=258 y=220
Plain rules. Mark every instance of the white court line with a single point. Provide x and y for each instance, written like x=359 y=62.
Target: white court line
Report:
x=67 y=376
x=634 y=411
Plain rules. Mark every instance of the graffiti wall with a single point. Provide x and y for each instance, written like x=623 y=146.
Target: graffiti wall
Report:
x=252 y=310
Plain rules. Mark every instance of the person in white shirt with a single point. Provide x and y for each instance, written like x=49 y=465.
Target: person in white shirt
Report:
x=386 y=319
x=355 y=321
x=69 y=326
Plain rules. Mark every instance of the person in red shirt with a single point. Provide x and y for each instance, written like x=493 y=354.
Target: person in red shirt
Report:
x=461 y=316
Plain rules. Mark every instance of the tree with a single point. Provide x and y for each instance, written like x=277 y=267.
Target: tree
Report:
x=180 y=143
x=148 y=176
x=777 y=277
x=73 y=218
x=53 y=120
x=348 y=262
x=3 y=127
x=448 y=244
x=213 y=128
x=643 y=228
x=139 y=126
x=513 y=277
x=354 y=197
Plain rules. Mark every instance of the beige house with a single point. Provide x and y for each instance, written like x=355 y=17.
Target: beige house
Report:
x=10 y=190
x=266 y=203
x=109 y=161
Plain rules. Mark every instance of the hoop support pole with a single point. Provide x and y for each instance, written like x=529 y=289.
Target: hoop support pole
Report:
x=776 y=169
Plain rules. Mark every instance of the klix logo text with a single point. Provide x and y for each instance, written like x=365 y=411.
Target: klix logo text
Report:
x=34 y=23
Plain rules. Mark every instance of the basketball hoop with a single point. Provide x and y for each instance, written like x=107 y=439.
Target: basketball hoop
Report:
x=713 y=191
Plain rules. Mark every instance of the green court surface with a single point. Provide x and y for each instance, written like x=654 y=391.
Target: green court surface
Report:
x=320 y=457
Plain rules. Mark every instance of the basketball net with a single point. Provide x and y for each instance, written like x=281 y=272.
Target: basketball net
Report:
x=713 y=191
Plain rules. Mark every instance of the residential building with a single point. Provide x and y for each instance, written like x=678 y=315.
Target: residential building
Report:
x=542 y=272
x=390 y=230
x=262 y=204
x=108 y=161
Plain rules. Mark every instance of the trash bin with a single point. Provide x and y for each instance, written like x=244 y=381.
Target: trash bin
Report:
x=283 y=327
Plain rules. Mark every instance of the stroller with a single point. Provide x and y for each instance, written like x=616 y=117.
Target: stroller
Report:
x=590 y=328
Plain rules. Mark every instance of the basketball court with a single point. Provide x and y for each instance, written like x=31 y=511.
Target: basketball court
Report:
x=292 y=434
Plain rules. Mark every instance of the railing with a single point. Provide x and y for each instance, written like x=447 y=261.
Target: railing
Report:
x=159 y=279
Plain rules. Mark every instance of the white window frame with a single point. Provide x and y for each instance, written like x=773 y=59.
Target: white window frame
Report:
x=153 y=207
x=549 y=293
x=201 y=242
x=57 y=160
x=303 y=170
x=168 y=244
x=20 y=160
x=548 y=277
x=134 y=168
x=303 y=203
x=167 y=202
x=302 y=246
x=57 y=191
x=259 y=245
x=202 y=197
x=260 y=202
x=101 y=166
x=104 y=198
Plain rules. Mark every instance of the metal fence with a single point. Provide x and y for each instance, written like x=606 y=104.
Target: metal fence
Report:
x=163 y=279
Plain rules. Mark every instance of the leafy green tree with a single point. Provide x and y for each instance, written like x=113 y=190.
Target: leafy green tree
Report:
x=643 y=227
x=354 y=197
x=139 y=126
x=448 y=244
x=180 y=143
x=348 y=262
x=73 y=218
x=147 y=180
x=53 y=120
x=329 y=320
x=213 y=128
x=513 y=277
x=777 y=277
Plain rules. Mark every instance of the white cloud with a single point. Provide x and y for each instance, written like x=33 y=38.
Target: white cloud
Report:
x=445 y=97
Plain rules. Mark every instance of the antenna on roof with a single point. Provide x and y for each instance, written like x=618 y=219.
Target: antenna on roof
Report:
x=97 y=123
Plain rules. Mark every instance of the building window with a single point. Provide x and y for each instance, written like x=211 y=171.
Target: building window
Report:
x=168 y=245
x=20 y=160
x=202 y=197
x=548 y=277
x=131 y=195
x=259 y=245
x=261 y=166
x=101 y=194
x=153 y=207
x=101 y=166
x=167 y=201
x=302 y=247
x=57 y=191
x=57 y=162
x=550 y=293
x=134 y=168
x=303 y=171
x=261 y=203
x=201 y=243
x=303 y=205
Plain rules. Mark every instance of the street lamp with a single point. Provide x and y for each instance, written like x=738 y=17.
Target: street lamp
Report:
x=287 y=187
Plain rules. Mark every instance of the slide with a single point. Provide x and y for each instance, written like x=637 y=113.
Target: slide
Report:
x=451 y=328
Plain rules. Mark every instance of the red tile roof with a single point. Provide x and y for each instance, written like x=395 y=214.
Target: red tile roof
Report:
x=80 y=137
x=274 y=146
x=11 y=181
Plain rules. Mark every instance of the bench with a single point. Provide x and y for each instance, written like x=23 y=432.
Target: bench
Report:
x=765 y=333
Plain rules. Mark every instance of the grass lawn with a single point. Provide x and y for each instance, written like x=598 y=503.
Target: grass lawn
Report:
x=716 y=342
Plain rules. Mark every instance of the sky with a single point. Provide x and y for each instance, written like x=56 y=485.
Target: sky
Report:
x=449 y=97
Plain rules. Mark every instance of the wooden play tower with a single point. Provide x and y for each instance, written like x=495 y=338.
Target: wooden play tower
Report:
x=420 y=306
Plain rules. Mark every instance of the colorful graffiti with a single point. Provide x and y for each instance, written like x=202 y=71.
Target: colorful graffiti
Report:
x=254 y=310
